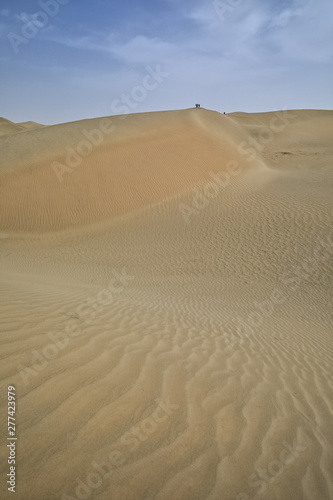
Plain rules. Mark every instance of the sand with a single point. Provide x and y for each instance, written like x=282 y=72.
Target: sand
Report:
x=167 y=306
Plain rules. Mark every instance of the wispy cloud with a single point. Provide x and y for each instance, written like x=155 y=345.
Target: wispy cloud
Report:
x=304 y=31
x=299 y=29
x=142 y=49
x=139 y=49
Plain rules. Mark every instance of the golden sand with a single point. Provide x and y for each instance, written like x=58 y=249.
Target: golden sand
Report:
x=167 y=306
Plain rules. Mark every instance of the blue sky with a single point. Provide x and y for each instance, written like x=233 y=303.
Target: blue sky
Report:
x=64 y=60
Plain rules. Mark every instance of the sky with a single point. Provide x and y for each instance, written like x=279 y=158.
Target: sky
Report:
x=65 y=60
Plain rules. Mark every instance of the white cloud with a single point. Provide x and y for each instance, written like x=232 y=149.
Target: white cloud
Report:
x=267 y=32
x=285 y=17
x=80 y=42
x=255 y=36
x=142 y=50
x=306 y=32
x=138 y=50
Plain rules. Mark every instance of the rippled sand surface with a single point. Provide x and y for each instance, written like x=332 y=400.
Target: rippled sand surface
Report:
x=166 y=313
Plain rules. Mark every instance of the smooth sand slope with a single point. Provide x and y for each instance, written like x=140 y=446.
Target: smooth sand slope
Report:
x=167 y=306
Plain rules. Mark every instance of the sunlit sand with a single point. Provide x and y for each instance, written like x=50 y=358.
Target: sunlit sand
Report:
x=167 y=305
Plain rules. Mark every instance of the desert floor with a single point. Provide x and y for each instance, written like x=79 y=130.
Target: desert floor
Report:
x=166 y=312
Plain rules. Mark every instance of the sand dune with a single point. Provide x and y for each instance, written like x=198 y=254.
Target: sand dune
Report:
x=29 y=125
x=167 y=305
x=7 y=127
